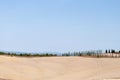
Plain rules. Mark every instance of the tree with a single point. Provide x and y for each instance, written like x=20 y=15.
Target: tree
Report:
x=119 y=51
x=112 y=51
x=106 y=51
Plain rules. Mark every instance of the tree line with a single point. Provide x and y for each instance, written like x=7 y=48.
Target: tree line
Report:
x=82 y=53
x=93 y=53
x=112 y=51
x=28 y=54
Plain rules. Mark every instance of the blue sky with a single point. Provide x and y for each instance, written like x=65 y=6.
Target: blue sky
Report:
x=59 y=25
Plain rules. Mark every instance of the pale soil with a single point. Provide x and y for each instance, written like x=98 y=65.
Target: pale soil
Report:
x=59 y=68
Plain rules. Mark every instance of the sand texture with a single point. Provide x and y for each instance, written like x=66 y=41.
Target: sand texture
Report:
x=59 y=68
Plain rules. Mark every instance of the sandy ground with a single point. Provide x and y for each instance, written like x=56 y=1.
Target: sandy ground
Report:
x=59 y=68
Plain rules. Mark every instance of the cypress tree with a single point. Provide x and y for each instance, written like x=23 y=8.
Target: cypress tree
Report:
x=106 y=51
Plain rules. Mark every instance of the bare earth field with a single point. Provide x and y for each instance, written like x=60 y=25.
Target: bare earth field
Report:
x=59 y=68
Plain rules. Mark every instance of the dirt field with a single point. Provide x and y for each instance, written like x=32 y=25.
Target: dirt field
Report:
x=59 y=68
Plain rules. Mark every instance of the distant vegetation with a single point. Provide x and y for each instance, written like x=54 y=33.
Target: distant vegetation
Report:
x=95 y=53
x=27 y=54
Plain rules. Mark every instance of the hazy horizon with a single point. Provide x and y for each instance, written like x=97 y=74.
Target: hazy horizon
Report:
x=59 y=26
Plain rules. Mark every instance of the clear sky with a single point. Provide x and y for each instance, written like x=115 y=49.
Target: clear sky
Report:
x=59 y=25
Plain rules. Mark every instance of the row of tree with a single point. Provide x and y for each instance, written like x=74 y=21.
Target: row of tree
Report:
x=28 y=54
x=112 y=51
x=83 y=53
x=94 y=53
